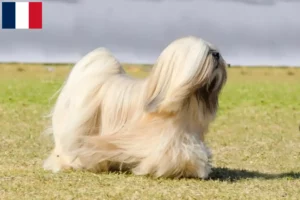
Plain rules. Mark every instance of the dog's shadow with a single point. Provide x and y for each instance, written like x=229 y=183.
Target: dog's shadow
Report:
x=232 y=175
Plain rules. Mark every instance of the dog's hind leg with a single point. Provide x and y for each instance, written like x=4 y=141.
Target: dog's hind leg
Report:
x=76 y=112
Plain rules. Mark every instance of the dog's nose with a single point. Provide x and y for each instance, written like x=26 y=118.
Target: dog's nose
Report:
x=216 y=55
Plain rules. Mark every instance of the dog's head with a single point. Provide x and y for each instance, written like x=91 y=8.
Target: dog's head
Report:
x=187 y=67
x=208 y=91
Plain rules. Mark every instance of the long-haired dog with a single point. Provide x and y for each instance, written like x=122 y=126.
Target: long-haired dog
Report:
x=104 y=119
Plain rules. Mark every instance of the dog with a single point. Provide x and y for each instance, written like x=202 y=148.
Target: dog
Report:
x=104 y=119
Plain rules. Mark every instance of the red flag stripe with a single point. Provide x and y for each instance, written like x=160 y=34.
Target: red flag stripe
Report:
x=35 y=15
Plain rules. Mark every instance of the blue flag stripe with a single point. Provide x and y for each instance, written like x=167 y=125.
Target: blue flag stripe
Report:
x=8 y=15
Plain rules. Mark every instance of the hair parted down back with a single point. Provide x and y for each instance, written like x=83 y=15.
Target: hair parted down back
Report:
x=104 y=119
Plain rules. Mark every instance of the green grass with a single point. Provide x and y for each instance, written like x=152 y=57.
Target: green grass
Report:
x=255 y=141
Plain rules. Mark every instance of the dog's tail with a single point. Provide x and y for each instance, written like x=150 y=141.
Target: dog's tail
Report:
x=78 y=103
x=97 y=63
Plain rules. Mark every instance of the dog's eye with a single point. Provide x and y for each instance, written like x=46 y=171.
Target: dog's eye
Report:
x=216 y=55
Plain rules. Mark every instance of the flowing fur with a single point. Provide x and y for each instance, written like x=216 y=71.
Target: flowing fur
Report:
x=104 y=119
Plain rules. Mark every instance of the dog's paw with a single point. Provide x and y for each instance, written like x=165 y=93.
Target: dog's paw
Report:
x=58 y=162
x=52 y=164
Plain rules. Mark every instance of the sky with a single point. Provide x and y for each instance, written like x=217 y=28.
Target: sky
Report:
x=247 y=32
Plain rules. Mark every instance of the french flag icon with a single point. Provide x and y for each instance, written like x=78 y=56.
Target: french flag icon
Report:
x=22 y=15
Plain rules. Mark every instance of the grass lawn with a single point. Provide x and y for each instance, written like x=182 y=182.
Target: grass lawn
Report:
x=255 y=141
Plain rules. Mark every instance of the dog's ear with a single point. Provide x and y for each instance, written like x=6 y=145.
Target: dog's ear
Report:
x=167 y=100
x=168 y=86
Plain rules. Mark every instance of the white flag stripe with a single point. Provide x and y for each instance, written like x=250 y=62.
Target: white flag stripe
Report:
x=22 y=15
